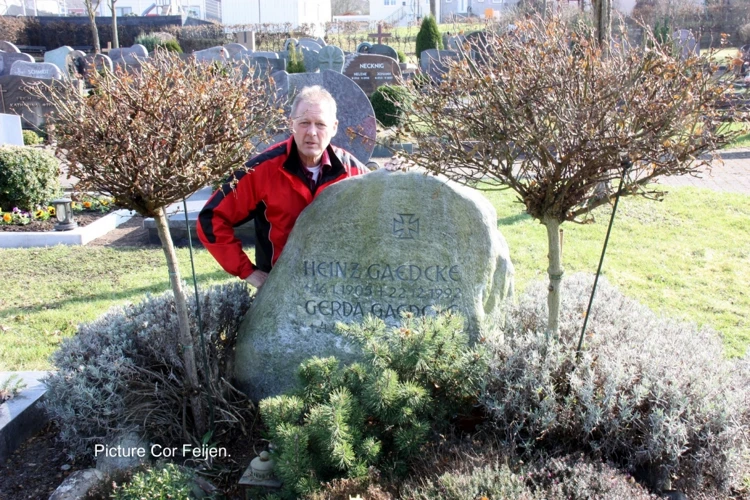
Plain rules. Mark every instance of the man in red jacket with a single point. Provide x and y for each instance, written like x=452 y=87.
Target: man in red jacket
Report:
x=274 y=188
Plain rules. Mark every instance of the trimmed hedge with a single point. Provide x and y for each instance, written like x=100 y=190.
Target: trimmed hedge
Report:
x=28 y=177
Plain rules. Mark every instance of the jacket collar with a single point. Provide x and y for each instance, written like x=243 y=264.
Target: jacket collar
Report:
x=293 y=163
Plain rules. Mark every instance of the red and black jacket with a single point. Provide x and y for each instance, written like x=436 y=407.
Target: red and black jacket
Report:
x=273 y=190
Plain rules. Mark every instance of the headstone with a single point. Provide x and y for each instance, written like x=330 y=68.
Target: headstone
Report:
x=357 y=125
x=452 y=42
x=96 y=63
x=211 y=54
x=262 y=66
x=16 y=99
x=364 y=47
x=131 y=54
x=409 y=242
x=60 y=57
x=477 y=42
x=8 y=47
x=8 y=58
x=434 y=62
x=268 y=55
x=384 y=50
x=45 y=71
x=686 y=44
x=10 y=130
x=332 y=58
x=310 y=59
x=370 y=71
x=234 y=49
x=76 y=63
x=288 y=42
x=309 y=43
x=246 y=39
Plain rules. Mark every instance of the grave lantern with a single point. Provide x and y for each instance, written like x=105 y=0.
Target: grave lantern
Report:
x=64 y=215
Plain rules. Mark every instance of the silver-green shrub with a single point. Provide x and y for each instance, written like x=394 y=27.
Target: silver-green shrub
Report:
x=565 y=478
x=124 y=371
x=649 y=394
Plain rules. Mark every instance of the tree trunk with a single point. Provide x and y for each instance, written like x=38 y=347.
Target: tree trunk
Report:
x=603 y=22
x=115 y=38
x=555 y=273
x=186 y=338
x=94 y=33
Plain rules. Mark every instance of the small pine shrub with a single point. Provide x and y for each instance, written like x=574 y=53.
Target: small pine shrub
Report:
x=31 y=138
x=296 y=62
x=170 y=481
x=156 y=39
x=124 y=371
x=378 y=412
x=401 y=56
x=171 y=46
x=649 y=394
x=389 y=103
x=428 y=36
x=28 y=177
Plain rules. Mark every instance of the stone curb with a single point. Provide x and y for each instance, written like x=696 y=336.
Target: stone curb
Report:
x=78 y=236
x=22 y=416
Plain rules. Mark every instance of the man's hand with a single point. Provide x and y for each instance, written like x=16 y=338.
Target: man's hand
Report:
x=257 y=278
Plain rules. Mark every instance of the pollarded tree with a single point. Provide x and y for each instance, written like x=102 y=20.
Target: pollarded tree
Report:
x=544 y=114
x=152 y=137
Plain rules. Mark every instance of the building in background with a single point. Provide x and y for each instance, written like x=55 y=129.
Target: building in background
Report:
x=208 y=10
x=401 y=12
x=295 y=12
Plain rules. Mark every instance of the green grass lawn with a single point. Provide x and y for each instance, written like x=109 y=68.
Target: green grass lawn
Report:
x=686 y=257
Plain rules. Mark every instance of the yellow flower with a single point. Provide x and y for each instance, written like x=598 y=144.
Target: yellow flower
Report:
x=86 y=204
x=7 y=217
x=104 y=202
x=39 y=214
x=51 y=211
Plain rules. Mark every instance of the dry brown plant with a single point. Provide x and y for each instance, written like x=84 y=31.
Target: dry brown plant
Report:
x=152 y=137
x=542 y=111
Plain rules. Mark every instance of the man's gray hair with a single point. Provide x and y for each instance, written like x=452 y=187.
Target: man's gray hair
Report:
x=313 y=94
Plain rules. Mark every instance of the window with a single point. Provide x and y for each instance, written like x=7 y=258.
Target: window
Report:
x=389 y=2
x=122 y=11
x=497 y=1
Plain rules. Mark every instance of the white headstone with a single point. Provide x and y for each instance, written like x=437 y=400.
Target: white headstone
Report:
x=60 y=57
x=10 y=130
x=8 y=47
x=46 y=71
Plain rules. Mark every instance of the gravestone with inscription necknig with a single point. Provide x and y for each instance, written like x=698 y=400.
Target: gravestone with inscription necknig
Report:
x=370 y=71
x=399 y=242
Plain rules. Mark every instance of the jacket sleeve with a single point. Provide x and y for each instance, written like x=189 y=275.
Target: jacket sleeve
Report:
x=226 y=209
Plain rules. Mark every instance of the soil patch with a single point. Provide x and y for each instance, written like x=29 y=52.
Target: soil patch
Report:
x=35 y=469
x=83 y=219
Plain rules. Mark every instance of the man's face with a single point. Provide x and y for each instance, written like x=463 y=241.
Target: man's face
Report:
x=313 y=127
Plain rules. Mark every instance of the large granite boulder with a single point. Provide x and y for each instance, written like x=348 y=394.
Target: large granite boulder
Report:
x=382 y=244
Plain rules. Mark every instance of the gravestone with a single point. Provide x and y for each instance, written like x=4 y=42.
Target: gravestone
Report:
x=309 y=43
x=262 y=66
x=364 y=47
x=8 y=47
x=10 y=130
x=267 y=55
x=246 y=39
x=452 y=42
x=135 y=51
x=8 y=58
x=77 y=64
x=370 y=71
x=685 y=43
x=409 y=242
x=357 y=125
x=211 y=54
x=332 y=58
x=290 y=42
x=310 y=58
x=435 y=62
x=235 y=49
x=60 y=57
x=44 y=71
x=16 y=99
x=383 y=50
x=96 y=63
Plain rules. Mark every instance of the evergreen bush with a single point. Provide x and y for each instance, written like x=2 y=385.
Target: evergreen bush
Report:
x=379 y=412
x=296 y=62
x=401 y=56
x=649 y=394
x=389 y=103
x=428 y=36
x=168 y=482
x=159 y=39
x=31 y=138
x=28 y=177
x=124 y=371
